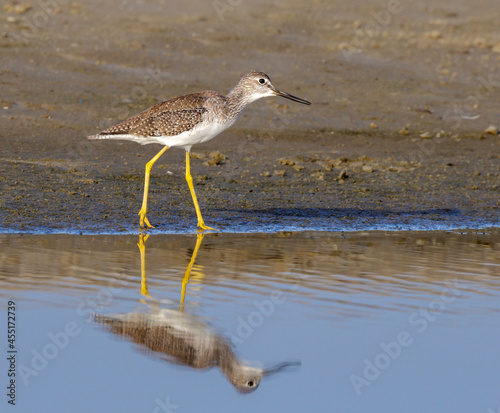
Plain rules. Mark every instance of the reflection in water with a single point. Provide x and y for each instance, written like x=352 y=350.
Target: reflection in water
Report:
x=348 y=298
x=182 y=338
x=339 y=276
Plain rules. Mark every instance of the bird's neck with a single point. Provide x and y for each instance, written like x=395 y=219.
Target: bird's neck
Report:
x=226 y=359
x=238 y=99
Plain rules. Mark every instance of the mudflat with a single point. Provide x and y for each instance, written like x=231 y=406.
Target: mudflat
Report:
x=401 y=133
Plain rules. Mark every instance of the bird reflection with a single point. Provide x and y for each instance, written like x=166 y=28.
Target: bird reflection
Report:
x=182 y=338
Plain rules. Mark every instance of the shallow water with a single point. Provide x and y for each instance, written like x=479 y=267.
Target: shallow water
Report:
x=363 y=321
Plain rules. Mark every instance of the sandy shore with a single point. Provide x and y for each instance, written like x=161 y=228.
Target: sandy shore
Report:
x=402 y=96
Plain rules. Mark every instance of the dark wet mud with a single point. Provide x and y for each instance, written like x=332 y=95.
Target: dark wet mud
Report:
x=236 y=196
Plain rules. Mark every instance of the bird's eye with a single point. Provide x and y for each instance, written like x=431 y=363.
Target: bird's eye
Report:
x=250 y=383
x=262 y=81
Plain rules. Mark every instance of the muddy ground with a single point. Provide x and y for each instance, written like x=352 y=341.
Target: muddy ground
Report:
x=401 y=133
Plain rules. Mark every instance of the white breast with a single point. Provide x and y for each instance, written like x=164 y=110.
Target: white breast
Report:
x=203 y=132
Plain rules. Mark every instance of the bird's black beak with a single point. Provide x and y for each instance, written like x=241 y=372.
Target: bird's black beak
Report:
x=287 y=365
x=278 y=92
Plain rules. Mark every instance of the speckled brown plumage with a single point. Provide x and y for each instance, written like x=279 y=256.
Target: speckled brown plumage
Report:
x=205 y=114
x=168 y=118
x=169 y=343
x=184 y=339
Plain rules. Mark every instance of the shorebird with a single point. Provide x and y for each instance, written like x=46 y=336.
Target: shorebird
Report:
x=186 y=339
x=182 y=338
x=188 y=120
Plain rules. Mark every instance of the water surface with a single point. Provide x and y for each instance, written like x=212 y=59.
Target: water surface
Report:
x=363 y=321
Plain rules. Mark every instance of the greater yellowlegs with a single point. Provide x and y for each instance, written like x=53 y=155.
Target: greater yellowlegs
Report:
x=186 y=339
x=190 y=119
x=183 y=338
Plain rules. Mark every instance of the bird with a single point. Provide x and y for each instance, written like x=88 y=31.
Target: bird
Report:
x=189 y=120
x=179 y=337
x=186 y=339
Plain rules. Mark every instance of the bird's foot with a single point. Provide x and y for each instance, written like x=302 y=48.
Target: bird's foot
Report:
x=143 y=220
x=203 y=227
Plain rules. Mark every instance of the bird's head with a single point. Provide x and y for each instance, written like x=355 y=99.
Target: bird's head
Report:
x=258 y=85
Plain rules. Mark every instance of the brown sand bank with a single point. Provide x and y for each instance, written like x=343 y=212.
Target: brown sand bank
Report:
x=402 y=95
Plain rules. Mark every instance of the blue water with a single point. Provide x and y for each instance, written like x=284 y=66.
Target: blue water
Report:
x=389 y=322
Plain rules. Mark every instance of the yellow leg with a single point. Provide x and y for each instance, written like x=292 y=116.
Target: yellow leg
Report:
x=189 y=179
x=142 y=249
x=149 y=166
x=185 y=280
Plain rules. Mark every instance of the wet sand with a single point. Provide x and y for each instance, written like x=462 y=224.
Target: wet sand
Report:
x=395 y=137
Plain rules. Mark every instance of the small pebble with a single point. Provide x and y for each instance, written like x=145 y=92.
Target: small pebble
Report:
x=201 y=178
x=491 y=130
x=197 y=155
x=216 y=158
x=320 y=176
x=433 y=34
x=327 y=166
x=285 y=161
x=17 y=8
x=343 y=174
